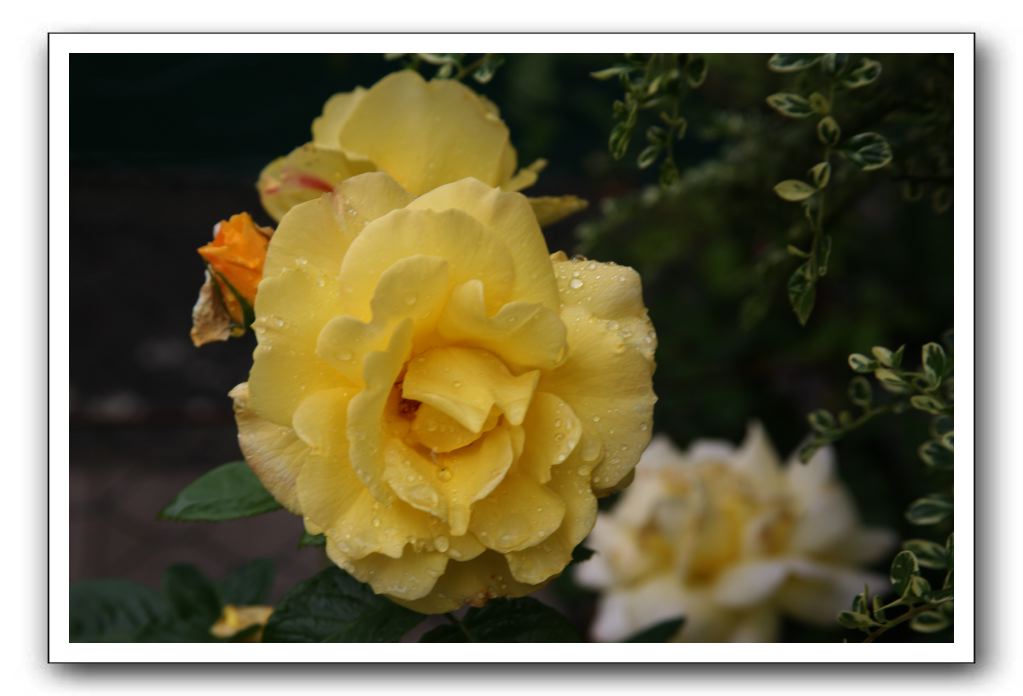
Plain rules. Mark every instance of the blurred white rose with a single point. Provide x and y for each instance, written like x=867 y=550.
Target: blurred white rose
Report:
x=732 y=540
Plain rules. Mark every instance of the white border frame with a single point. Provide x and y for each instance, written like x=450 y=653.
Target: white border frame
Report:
x=62 y=45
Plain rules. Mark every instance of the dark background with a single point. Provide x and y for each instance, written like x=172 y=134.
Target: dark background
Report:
x=164 y=146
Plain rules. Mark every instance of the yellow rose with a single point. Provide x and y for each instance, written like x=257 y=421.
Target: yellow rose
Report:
x=436 y=394
x=730 y=540
x=424 y=134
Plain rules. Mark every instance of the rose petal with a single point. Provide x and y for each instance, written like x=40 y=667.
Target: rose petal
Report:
x=425 y=134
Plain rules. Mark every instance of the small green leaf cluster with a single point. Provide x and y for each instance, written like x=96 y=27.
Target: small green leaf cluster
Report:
x=926 y=608
x=655 y=83
x=836 y=72
x=106 y=611
x=927 y=389
x=456 y=66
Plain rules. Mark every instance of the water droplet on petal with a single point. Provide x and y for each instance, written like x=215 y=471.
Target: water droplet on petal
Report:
x=575 y=284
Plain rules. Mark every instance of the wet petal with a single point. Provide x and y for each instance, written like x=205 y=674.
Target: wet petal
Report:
x=465 y=383
x=327 y=126
x=472 y=582
x=409 y=577
x=425 y=134
x=521 y=333
x=518 y=514
x=304 y=174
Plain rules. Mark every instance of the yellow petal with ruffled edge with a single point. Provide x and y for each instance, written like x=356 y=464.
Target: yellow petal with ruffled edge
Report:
x=570 y=482
x=470 y=250
x=291 y=307
x=409 y=577
x=425 y=134
x=465 y=383
x=554 y=431
x=509 y=218
x=519 y=513
x=274 y=453
x=447 y=485
x=523 y=334
x=366 y=410
x=304 y=174
x=327 y=126
x=316 y=235
x=607 y=379
x=472 y=582
x=414 y=288
x=442 y=433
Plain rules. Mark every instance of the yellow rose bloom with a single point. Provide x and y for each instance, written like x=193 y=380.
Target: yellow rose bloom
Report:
x=731 y=540
x=423 y=134
x=436 y=394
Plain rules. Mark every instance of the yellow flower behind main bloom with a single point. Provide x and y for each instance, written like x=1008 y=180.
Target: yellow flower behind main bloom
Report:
x=436 y=394
x=423 y=134
x=730 y=540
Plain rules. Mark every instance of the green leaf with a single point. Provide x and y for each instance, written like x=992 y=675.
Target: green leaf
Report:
x=648 y=156
x=807 y=450
x=312 y=540
x=932 y=357
x=866 y=73
x=113 y=611
x=662 y=632
x=225 y=493
x=333 y=607
x=929 y=554
x=868 y=151
x=855 y=620
x=790 y=105
x=820 y=104
x=522 y=620
x=828 y=131
x=904 y=569
x=194 y=599
x=891 y=381
x=930 y=622
x=935 y=455
x=928 y=404
x=802 y=293
x=614 y=71
x=249 y=584
x=821 y=174
x=820 y=420
x=861 y=363
x=929 y=510
x=794 y=190
x=792 y=62
x=860 y=392
x=834 y=63
x=696 y=71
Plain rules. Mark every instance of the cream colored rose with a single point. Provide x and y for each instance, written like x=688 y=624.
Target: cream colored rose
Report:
x=423 y=134
x=437 y=394
x=730 y=540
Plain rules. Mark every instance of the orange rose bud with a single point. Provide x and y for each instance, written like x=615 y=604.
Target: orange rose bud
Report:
x=236 y=257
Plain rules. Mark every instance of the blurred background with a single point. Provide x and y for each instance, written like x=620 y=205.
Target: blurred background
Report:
x=164 y=146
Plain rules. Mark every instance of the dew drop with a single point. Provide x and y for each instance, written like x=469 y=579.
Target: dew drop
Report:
x=575 y=284
x=278 y=322
x=444 y=474
x=411 y=299
x=376 y=521
x=643 y=427
x=557 y=422
x=456 y=384
x=344 y=356
x=591 y=266
x=441 y=543
x=596 y=419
